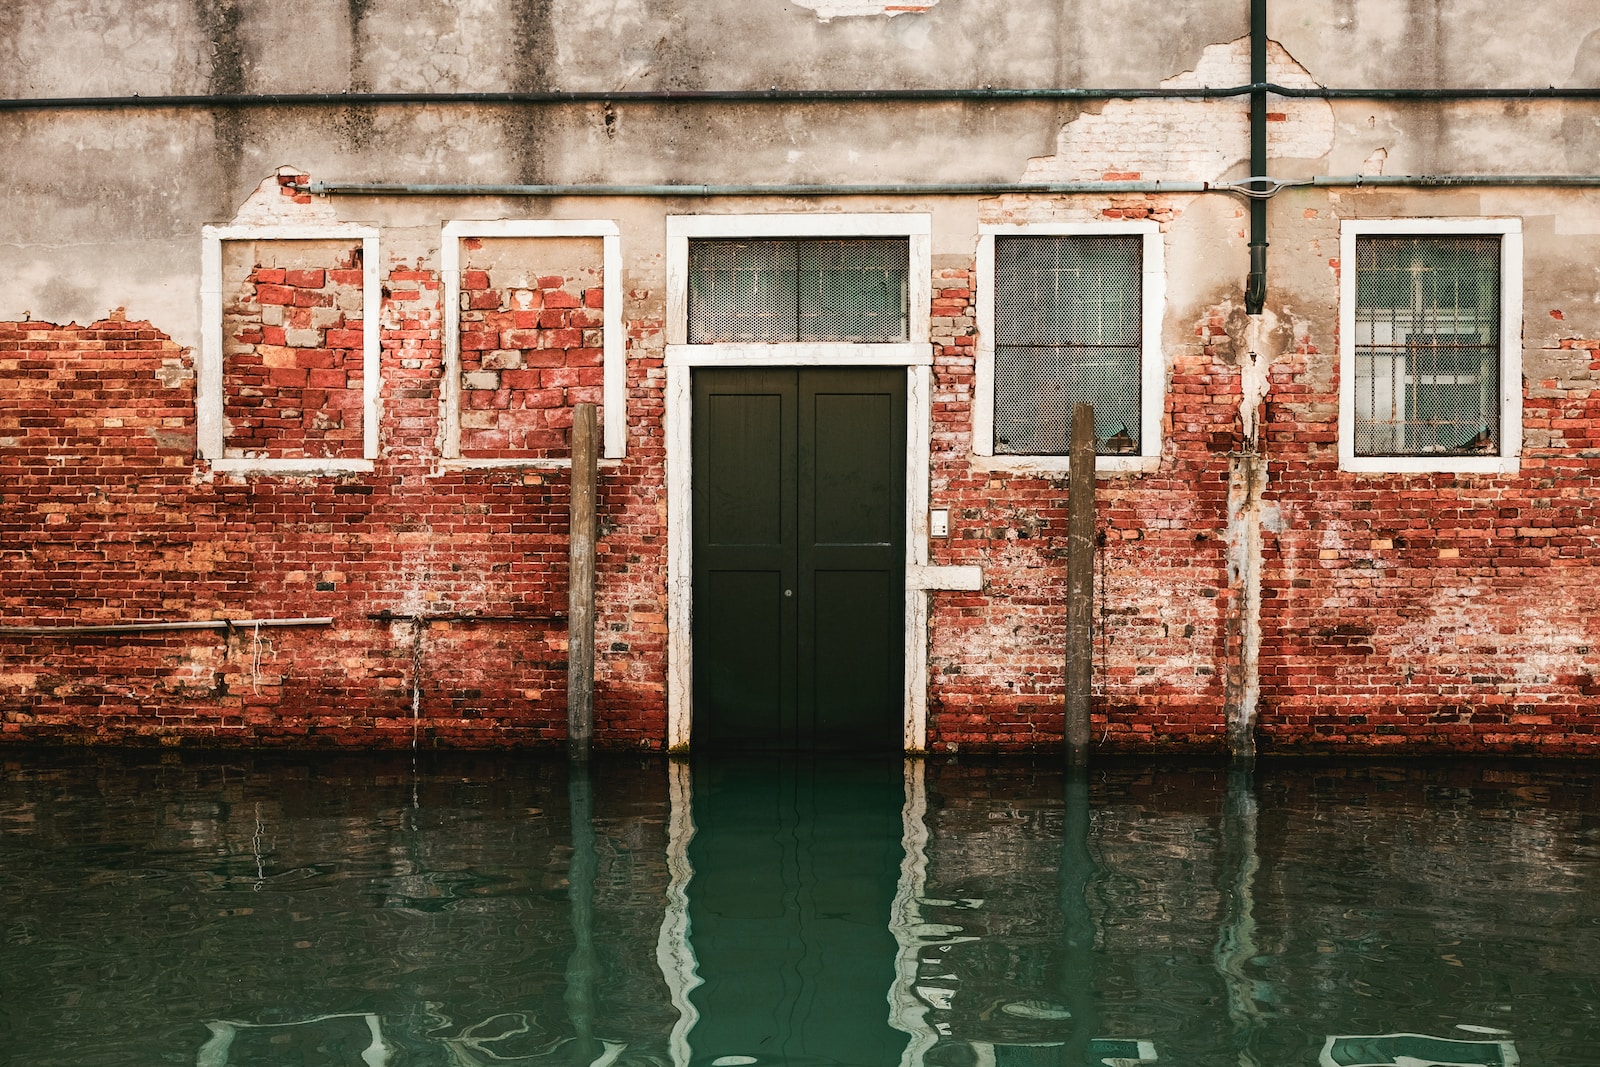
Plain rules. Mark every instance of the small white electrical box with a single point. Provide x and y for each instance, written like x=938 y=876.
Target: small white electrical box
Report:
x=939 y=522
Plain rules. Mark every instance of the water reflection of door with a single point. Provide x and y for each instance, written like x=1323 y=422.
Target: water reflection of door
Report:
x=799 y=558
x=795 y=865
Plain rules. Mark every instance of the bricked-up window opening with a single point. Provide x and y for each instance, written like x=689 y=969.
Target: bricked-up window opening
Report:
x=293 y=344
x=799 y=290
x=532 y=337
x=1068 y=311
x=1427 y=346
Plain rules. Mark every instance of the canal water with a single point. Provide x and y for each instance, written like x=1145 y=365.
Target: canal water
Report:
x=478 y=911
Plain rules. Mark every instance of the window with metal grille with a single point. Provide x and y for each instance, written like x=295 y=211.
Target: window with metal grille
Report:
x=1427 y=346
x=799 y=290
x=1068 y=311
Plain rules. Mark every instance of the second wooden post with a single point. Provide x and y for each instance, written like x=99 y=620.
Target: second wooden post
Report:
x=580 y=583
x=1080 y=584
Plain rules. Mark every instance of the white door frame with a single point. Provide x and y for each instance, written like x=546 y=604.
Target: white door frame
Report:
x=915 y=355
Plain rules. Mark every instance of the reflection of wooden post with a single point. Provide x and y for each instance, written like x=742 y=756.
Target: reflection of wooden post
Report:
x=1080 y=583
x=583 y=966
x=580 y=583
x=1077 y=870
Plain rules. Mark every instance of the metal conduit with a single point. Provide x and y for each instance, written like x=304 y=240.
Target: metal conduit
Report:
x=1259 y=188
x=986 y=94
x=139 y=627
x=700 y=190
x=1255 y=286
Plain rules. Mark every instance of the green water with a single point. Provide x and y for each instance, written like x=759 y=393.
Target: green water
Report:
x=483 y=911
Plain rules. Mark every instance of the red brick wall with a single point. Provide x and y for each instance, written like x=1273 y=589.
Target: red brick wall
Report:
x=292 y=369
x=997 y=658
x=105 y=516
x=1434 y=612
x=1431 y=611
x=528 y=356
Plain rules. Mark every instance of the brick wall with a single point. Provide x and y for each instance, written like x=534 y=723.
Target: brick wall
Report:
x=1436 y=612
x=292 y=355
x=1433 y=611
x=530 y=348
x=997 y=659
x=447 y=587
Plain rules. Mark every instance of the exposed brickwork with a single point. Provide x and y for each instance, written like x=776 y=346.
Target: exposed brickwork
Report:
x=997 y=660
x=1434 y=612
x=292 y=366
x=1453 y=612
x=529 y=354
x=1437 y=612
x=105 y=516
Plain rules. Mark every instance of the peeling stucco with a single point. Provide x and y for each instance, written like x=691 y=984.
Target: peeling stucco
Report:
x=1181 y=139
x=833 y=9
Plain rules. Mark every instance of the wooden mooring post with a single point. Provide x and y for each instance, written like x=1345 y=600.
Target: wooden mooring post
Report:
x=580 y=582
x=1080 y=584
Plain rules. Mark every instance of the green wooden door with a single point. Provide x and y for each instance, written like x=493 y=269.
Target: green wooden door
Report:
x=799 y=558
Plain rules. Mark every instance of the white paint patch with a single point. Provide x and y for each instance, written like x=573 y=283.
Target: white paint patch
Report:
x=1459 y=630
x=1191 y=139
x=1255 y=378
x=833 y=9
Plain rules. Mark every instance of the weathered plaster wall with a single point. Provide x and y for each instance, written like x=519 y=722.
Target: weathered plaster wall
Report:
x=1430 y=610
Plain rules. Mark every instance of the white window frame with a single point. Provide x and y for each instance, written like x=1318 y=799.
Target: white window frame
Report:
x=1152 y=366
x=1509 y=230
x=914 y=351
x=614 y=389
x=210 y=435
x=916 y=356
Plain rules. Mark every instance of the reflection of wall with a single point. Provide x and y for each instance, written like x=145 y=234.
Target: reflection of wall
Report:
x=261 y=891
x=1358 y=888
x=995 y=869
x=145 y=897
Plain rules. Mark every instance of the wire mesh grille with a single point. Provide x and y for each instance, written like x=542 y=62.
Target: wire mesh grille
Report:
x=1068 y=315
x=799 y=290
x=1427 y=346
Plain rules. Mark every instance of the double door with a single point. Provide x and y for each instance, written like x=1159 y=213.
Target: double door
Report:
x=799 y=558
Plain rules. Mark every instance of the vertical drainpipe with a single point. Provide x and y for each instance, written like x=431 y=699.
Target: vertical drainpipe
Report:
x=1255 y=292
x=1248 y=471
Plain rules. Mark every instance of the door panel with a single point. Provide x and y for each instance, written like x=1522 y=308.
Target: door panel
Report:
x=799 y=517
x=745 y=469
x=858 y=615
x=749 y=628
x=855 y=495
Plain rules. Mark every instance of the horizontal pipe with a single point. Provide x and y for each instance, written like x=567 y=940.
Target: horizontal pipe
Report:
x=395 y=616
x=632 y=96
x=1257 y=187
x=693 y=190
x=139 y=627
x=985 y=94
x=1446 y=180
x=1547 y=92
